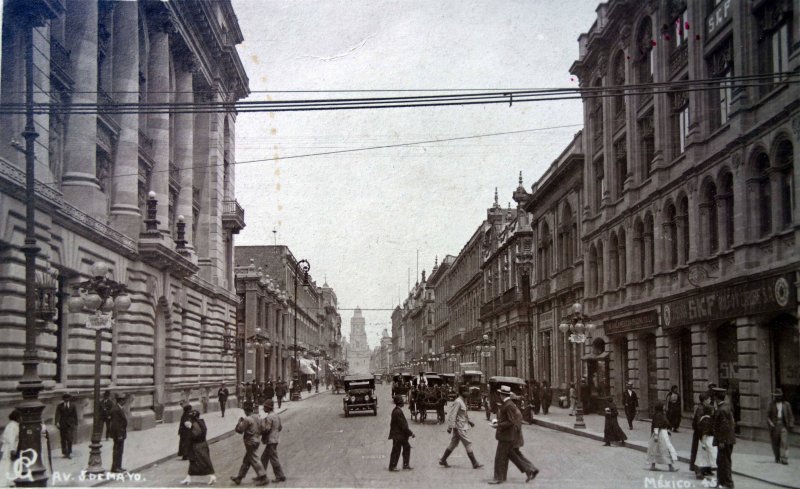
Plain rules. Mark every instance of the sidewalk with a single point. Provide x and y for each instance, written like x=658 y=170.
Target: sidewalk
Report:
x=750 y=458
x=146 y=448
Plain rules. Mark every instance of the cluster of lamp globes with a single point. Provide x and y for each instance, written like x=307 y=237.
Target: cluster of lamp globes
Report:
x=115 y=297
x=578 y=326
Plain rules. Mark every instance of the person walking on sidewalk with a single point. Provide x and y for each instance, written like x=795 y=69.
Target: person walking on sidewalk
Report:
x=630 y=402
x=250 y=428
x=780 y=420
x=184 y=433
x=698 y=413
x=8 y=450
x=612 y=433
x=316 y=384
x=705 y=460
x=399 y=433
x=573 y=399
x=458 y=424
x=280 y=391
x=270 y=436
x=547 y=396
x=222 y=397
x=269 y=391
x=509 y=440
x=674 y=408
x=119 y=431
x=659 y=448
x=199 y=458
x=724 y=438
x=66 y=421
x=105 y=410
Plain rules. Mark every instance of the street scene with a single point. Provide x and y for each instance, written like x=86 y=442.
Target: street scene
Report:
x=400 y=244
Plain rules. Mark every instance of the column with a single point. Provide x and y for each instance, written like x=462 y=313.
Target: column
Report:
x=125 y=213
x=79 y=183
x=184 y=147
x=158 y=124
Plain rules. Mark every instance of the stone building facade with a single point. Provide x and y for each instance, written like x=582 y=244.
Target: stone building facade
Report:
x=358 y=356
x=690 y=220
x=94 y=171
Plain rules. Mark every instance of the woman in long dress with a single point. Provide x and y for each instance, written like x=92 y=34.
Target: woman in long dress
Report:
x=659 y=448
x=706 y=460
x=612 y=433
x=199 y=457
x=8 y=451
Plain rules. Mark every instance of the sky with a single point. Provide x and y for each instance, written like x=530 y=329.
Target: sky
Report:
x=362 y=218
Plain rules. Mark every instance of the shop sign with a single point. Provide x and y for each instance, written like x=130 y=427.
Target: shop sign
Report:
x=750 y=298
x=547 y=320
x=635 y=322
x=510 y=363
x=720 y=16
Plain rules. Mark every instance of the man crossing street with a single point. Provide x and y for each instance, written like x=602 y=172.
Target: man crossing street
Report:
x=458 y=424
x=250 y=429
x=270 y=435
x=509 y=440
x=399 y=433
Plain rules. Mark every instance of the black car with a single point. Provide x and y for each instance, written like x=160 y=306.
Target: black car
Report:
x=359 y=394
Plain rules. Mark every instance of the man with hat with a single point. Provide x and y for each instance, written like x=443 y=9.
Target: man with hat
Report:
x=458 y=423
x=780 y=419
x=630 y=402
x=105 y=410
x=66 y=421
x=509 y=440
x=222 y=397
x=249 y=426
x=270 y=436
x=119 y=431
x=399 y=432
x=724 y=428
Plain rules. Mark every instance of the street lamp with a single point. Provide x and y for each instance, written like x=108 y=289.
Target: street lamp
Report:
x=485 y=349
x=101 y=297
x=302 y=267
x=577 y=325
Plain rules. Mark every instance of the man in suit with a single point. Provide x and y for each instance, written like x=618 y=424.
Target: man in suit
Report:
x=66 y=421
x=270 y=435
x=280 y=391
x=222 y=396
x=630 y=401
x=119 y=431
x=509 y=440
x=724 y=438
x=105 y=411
x=458 y=424
x=780 y=420
x=399 y=433
x=250 y=427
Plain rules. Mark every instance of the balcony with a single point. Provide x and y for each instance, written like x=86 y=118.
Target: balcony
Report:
x=232 y=216
x=60 y=64
x=174 y=175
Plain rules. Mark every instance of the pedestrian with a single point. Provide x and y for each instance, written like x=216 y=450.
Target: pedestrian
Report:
x=698 y=413
x=119 y=431
x=509 y=440
x=412 y=402
x=316 y=384
x=184 y=433
x=441 y=402
x=724 y=438
x=780 y=420
x=399 y=433
x=674 y=408
x=584 y=391
x=66 y=420
x=612 y=433
x=222 y=397
x=573 y=398
x=280 y=391
x=630 y=402
x=309 y=385
x=270 y=435
x=547 y=397
x=458 y=424
x=659 y=448
x=536 y=396
x=199 y=457
x=269 y=391
x=105 y=410
x=706 y=459
x=248 y=392
x=9 y=449
x=250 y=428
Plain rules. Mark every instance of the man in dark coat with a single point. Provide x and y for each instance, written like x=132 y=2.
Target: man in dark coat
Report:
x=399 y=433
x=630 y=402
x=119 y=431
x=585 y=392
x=269 y=391
x=780 y=420
x=724 y=438
x=547 y=397
x=250 y=428
x=185 y=433
x=105 y=410
x=280 y=391
x=509 y=440
x=66 y=421
x=222 y=396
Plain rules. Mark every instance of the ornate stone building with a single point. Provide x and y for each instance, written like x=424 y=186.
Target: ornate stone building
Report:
x=94 y=170
x=358 y=356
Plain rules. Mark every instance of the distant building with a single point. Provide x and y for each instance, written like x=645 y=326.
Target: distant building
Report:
x=359 y=353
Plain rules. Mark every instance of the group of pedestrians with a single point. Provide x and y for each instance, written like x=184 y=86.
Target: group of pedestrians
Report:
x=112 y=417
x=254 y=431
x=258 y=392
x=541 y=396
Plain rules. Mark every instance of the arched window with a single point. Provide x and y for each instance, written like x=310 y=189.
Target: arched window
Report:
x=725 y=197
x=670 y=236
x=623 y=266
x=613 y=258
x=784 y=158
x=568 y=236
x=639 y=249
x=649 y=244
x=763 y=195
x=601 y=284
x=618 y=80
x=683 y=229
x=708 y=213
x=593 y=270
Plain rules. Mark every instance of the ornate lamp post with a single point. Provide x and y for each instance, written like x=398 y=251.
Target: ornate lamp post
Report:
x=577 y=325
x=302 y=268
x=101 y=297
x=485 y=350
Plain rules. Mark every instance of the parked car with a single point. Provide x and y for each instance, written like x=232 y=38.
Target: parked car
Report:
x=378 y=378
x=359 y=394
x=518 y=388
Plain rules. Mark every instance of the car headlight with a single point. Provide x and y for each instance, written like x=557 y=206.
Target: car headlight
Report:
x=366 y=398
x=346 y=399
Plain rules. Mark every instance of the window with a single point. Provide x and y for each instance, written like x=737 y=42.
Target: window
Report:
x=620 y=165
x=645 y=61
x=647 y=144
x=639 y=250
x=681 y=33
x=763 y=195
x=619 y=99
x=680 y=121
x=649 y=244
x=600 y=269
x=599 y=183
x=623 y=266
x=726 y=197
x=721 y=67
x=593 y=270
x=783 y=165
x=613 y=266
x=708 y=211
x=597 y=118
x=671 y=235
x=773 y=32
x=683 y=228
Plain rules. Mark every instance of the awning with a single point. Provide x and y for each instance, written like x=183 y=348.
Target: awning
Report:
x=308 y=366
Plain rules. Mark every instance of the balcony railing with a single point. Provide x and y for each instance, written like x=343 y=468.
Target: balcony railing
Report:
x=232 y=215
x=60 y=62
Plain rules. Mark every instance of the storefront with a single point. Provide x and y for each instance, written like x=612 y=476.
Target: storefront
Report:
x=749 y=331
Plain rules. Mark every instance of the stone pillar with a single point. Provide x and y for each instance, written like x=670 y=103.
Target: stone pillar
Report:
x=79 y=183
x=125 y=213
x=700 y=359
x=184 y=148
x=754 y=372
x=158 y=124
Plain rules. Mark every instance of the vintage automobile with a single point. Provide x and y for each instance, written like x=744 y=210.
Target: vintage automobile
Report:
x=378 y=378
x=473 y=389
x=359 y=394
x=450 y=383
x=399 y=382
x=518 y=388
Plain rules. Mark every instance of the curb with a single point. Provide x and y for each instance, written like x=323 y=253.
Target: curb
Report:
x=638 y=446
